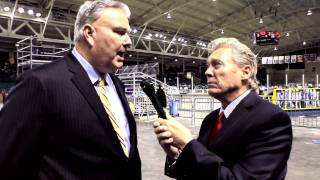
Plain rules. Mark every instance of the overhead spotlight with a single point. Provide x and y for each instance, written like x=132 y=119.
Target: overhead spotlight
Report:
x=169 y=16
x=174 y=39
x=179 y=39
x=30 y=12
x=182 y=39
x=214 y=0
x=275 y=48
x=155 y=58
x=20 y=10
x=130 y=55
x=176 y=60
x=222 y=31
x=134 y=31
x=17 y=45
x=150 y=34
x=304 y=43
x=157 y=35
x=185 y=42
x=38 y=14
x=193 y=62
x=6 y=9
x=171 y=50
x=287 y=34
x=309 y=13
x=161 y=36
x=261 y=21
x=164 y=37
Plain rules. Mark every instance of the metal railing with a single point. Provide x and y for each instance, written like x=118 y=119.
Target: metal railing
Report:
x=32 y=53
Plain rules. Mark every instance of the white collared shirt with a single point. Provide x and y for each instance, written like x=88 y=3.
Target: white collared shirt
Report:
x=233 y=104
x=112 y=96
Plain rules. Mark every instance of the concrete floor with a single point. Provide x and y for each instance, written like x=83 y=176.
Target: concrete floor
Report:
x=304 y=162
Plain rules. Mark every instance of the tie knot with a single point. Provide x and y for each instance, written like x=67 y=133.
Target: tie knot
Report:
x=221 y=116
x=102 y=81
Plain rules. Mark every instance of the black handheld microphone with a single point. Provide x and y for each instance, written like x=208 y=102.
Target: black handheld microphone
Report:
x=148 y=88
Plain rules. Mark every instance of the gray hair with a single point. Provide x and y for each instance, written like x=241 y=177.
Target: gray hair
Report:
x=90 y=11
x=242 y=56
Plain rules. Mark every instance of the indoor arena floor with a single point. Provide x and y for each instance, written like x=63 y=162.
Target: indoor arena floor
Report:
x=304 y=162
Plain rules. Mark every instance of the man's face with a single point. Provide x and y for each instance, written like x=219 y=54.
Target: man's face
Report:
x=110 y=40
x=224 y=77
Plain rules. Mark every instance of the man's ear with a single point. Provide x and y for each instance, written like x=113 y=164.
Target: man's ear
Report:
x=89 y=33
x=246 y=72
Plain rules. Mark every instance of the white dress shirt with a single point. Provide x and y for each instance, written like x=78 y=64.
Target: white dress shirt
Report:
x=112 y=96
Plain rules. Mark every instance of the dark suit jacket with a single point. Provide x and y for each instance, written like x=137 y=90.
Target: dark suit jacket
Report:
x=254 y=143
x=54 y=126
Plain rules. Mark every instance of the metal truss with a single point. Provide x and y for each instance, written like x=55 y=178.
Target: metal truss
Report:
x=47 y=29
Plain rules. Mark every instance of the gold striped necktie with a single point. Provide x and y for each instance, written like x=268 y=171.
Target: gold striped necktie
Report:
x=107 y=107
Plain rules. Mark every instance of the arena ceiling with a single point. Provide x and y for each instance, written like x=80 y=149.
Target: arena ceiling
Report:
x=188 y=25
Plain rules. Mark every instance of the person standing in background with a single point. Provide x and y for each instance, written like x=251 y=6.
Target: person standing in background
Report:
x=58 y=122
x=247 y=138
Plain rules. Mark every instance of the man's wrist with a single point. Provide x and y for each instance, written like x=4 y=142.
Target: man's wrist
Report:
x=186 y=141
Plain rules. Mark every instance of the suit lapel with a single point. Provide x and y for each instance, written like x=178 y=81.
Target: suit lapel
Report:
x=236 y=119
x=84 y=85
x=208 y=124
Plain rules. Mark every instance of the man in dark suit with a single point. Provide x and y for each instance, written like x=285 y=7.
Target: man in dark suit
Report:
x=55 y=124
x=247 y=138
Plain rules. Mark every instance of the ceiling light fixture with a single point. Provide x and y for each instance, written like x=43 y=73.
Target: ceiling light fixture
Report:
x=6 y=9
x=304 y=43
x=38 y=14
x=134 y=31
x=261 y=21
x=30 y=12
x=20 y=10
x=309 y=13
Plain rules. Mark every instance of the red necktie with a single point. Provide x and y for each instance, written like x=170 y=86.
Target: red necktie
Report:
x=217 y=127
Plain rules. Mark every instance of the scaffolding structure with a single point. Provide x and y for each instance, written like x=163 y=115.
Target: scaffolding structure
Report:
x=132 y=76
x=31 y=53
